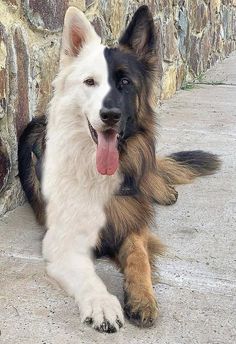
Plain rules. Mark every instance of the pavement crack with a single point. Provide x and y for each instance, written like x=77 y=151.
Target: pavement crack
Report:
x=19 y=256
x=214 y=83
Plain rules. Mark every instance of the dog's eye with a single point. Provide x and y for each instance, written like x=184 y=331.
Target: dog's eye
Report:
x=89 y=82
x=124 y=82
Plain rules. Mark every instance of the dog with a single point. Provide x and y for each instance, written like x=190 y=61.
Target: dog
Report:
x=90 y=172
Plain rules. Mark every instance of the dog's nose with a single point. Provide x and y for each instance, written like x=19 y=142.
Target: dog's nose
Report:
x=110 y=116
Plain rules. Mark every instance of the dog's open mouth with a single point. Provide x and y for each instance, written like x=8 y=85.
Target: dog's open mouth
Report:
x=107 y=158
x=93 y=133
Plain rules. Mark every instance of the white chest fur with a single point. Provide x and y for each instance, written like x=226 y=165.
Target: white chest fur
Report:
x=75 y=192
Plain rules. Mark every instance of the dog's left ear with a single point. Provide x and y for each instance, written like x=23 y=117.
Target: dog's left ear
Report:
x=140 y=35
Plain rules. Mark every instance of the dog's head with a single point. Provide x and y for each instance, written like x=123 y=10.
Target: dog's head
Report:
x=112 y=86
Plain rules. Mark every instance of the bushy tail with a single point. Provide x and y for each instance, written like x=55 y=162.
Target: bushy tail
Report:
x=183 y=167
x=30 y=151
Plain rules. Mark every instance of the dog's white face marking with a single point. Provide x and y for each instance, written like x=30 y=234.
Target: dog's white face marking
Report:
x=88 y=81
x=83 y=70
x=81 y=88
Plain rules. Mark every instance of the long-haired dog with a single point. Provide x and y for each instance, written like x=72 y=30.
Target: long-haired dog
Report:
x=90 y=171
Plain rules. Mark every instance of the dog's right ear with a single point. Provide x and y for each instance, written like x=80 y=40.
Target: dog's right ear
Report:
x=140 y=35
x=77 y=32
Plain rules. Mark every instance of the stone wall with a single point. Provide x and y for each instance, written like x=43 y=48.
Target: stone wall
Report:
x=192 y=36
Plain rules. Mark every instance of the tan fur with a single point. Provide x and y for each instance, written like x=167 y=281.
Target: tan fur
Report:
x=127 y=212
x=175 y=173
x=156 y=186
x=134 y=258
x=138 y=155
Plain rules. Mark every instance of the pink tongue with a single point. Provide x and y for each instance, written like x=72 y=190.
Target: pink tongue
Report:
x=107 y=159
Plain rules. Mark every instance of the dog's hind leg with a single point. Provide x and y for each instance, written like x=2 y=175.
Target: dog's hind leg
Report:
x=135 y=261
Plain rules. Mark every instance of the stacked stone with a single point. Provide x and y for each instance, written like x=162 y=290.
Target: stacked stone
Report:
x=192 y=36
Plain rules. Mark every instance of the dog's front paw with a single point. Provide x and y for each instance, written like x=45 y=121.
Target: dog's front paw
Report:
x=168 y=197
x=103 y=312
x=141 y=309
x=173 y=196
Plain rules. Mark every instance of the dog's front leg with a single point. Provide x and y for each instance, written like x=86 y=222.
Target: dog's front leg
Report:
x=72 y=267
x=140 y=302
x=154 y=185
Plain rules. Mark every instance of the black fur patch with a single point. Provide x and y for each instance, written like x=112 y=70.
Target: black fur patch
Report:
x=31 y=141
x=122 y=68
x=130 y=69
x=140 y=36
x=30 y=153
x=203 y=162
x=129 y=186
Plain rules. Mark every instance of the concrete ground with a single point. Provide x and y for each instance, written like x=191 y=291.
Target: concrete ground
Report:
x=197 y=288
